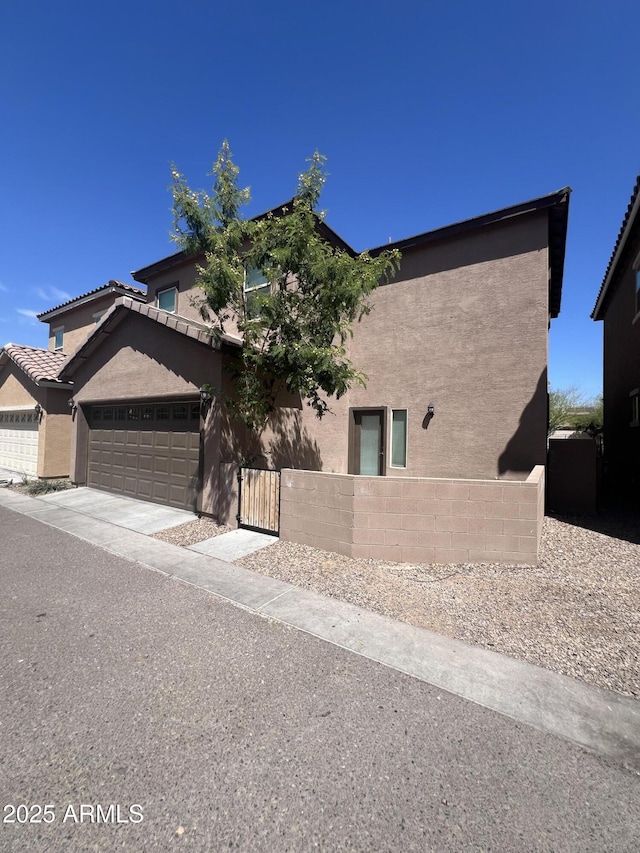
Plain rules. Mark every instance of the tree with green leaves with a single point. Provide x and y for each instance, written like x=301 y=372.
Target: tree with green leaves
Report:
x=568 y=408
x=283 y=287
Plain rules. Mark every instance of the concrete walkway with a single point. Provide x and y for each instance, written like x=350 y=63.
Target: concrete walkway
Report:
x=234 y=545
x=597 y=719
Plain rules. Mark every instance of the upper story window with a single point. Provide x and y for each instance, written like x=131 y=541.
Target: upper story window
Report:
x=255 y=284
x=99 y=315
x=167 y=299
x=58 y=338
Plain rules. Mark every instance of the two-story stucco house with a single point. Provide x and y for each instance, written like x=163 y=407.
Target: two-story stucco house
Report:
x=455 y=349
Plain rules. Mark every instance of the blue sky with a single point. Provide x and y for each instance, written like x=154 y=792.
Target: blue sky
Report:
x=428 y=112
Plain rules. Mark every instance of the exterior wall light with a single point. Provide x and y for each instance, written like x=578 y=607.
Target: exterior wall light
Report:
x=205 y=394
x=37 y=409
x=431 y=409
x=72 y=405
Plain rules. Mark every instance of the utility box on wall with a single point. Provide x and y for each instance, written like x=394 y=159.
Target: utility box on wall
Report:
x=572 y=475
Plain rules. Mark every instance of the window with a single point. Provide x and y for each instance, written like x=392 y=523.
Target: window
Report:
x=166 y=299
x=255 y=285
x=399 y=438
x=58 y=338
x=634 y=397
x=99 y=315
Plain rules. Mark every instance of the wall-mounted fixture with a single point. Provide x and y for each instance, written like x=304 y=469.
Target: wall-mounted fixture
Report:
x=205 y=394
x=431 y=409
x=38 y=410
x=72 y=405
x=206 y=400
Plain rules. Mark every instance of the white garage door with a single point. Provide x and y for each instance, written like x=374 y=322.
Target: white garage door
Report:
x=19 y=441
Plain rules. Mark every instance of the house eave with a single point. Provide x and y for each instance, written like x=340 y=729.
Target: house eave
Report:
x=84 y=299
x=612 y=268
x=557 y=205
x=145 y=274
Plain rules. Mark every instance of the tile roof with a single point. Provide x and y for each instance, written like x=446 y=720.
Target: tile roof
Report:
x=113 y=284
x=627 y=223
x=40 y=365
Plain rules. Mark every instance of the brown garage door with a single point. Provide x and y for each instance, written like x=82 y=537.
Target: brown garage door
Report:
x=148 y=451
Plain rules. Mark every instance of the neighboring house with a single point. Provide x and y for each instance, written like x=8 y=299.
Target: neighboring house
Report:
x=35 y=416
x=455 y=349
x=35 y=420
x=618 y=306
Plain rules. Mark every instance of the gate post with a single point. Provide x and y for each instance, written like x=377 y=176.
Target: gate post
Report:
x=239 y=514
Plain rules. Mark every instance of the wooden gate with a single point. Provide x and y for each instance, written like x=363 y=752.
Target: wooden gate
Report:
x=259 y=499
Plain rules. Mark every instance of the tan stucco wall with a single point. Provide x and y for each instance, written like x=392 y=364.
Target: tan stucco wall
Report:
x=14 y=390
x=78 y=322
x=412 y=520
x=54 y=444
x=141 y=359
x=465 y=328
x=183 y=277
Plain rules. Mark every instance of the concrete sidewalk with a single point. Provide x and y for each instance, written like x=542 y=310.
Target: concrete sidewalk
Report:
x=600 y=720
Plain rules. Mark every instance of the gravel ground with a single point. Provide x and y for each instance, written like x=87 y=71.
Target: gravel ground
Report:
x=577 y=612
x=191 y=532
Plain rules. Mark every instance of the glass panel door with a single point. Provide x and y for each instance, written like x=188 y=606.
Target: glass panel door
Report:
x=370 y=433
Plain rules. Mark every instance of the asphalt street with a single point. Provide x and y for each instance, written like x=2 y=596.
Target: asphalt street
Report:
x=140 y=713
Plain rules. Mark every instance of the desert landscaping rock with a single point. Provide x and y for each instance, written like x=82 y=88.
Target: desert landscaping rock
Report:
x=577 y=612
x=191 y=532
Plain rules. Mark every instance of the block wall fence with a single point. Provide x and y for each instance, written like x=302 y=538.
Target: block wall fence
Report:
x=415 y=520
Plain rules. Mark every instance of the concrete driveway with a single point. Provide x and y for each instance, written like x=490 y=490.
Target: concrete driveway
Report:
x=141 y=516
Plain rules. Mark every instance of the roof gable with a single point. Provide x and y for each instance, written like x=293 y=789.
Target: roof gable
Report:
x=112 y=286
x=122 y=308
x=145 y=274
x=40 y=365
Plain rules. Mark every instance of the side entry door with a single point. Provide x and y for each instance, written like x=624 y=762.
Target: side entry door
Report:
x=367 y=445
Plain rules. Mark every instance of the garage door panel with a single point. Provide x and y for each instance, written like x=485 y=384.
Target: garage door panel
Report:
x=144 y=489
x=117 y=459
x=161 y=465
x=161 y=492
x=179 y=440
x=145 y=463
x=131 y=462
x=154 y=462
x=19 y=441
x=180 y=468
x=130 y=486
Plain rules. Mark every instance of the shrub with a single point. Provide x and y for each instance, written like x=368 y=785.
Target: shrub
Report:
x=44 y=487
